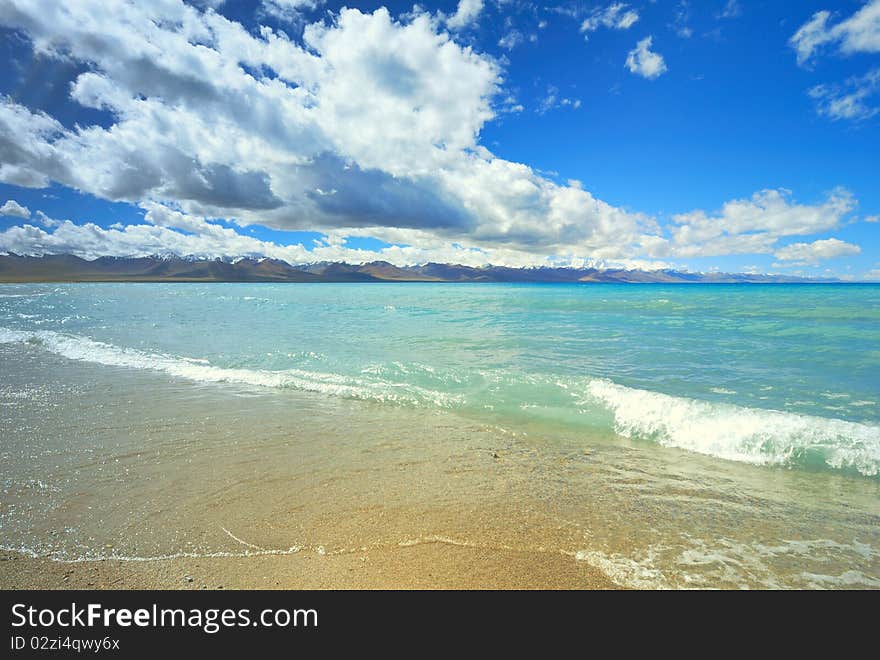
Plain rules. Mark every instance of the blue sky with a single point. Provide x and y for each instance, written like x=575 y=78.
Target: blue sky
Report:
x=714 y=135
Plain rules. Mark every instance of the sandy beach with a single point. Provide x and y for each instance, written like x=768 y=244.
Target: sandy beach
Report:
x=432 y=565
x=377 y=515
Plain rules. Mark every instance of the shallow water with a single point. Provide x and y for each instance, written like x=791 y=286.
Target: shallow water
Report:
x=670 y=436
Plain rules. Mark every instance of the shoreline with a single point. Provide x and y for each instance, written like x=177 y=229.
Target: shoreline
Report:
x=254 y=488
x=380 y=500
x=428 y=565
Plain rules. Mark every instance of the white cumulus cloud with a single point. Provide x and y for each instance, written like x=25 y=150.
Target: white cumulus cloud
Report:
x=210 y=240
x=754 y=225
x=642 y=61
x=860 y=33
x=616 y=16
x=258 y=128
x=467 y=13
x=856 y=99
x=14 y=209
x=813 y=253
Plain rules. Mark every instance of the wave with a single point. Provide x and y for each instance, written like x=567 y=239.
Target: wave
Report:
x=749 y=435
x=88 y=350
x=727 y=563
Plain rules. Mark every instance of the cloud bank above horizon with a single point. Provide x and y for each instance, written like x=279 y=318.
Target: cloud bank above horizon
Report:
x=361 y=124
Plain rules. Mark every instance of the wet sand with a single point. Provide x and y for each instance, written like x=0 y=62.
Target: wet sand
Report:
x=112 y=470
x=427 y=566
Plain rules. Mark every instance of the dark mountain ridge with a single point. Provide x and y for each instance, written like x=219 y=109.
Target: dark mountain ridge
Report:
x=69 y=268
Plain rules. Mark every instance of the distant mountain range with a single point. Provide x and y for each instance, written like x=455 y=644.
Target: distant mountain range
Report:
x=69 y=268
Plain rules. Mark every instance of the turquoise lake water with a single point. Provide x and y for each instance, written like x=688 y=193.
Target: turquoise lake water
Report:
x=785 y=375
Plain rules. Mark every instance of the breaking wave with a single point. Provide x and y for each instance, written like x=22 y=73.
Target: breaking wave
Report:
x=749 y=435
x=88 y=350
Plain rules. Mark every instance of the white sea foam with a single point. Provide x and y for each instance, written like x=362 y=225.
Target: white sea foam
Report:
x=88 y=350
x=751 y=435
x=722 y=562
x=627 y=571
x=67 y=558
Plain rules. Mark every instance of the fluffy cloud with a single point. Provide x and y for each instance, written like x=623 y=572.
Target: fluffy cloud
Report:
x=741 y=226
x=466 y=13
x=643 y=62
x=753 y=225
x=261 y=129
x=851 y=100
x=615 y=16
x=14 y=209
x=209 y=240
x=813 y=253
x=211 y=120
x=860 y=33
x=90 y=241
x=190 y=120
